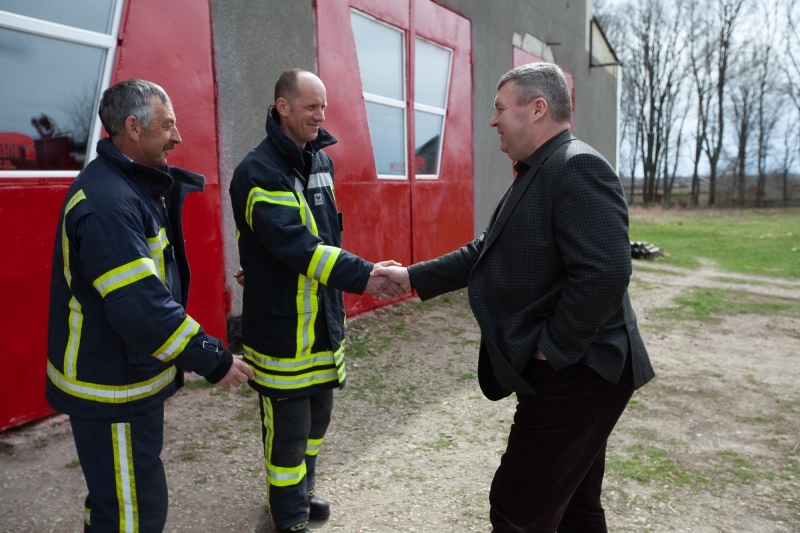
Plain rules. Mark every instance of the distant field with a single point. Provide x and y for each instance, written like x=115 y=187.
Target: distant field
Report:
x=752 y=241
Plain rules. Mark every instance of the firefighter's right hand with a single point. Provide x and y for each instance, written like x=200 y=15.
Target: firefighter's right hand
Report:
x=388 y=282
x=239 y=275
x=239 y=374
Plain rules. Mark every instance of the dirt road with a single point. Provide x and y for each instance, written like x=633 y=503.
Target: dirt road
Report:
x=710 y=446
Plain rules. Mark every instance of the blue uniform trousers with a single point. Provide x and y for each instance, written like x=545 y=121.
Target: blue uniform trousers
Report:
x=121 y=463
x=292 y=430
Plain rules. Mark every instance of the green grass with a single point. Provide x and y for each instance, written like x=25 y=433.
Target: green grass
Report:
x=748 y=241
x=707 y=305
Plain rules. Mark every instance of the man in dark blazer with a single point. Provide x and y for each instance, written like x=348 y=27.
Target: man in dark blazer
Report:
x=548 y=286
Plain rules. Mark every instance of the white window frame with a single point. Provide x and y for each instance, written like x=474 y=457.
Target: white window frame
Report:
x=389 y=102
x=107 y=42
x=435 y=110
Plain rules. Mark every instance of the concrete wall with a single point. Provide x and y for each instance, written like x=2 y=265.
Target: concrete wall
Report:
x=254 y=41
x=551 y=21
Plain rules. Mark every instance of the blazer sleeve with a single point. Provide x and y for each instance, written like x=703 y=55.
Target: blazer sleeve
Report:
x=591 y=232
x=446 y=273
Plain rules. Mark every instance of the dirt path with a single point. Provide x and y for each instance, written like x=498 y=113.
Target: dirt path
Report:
x=707 y=447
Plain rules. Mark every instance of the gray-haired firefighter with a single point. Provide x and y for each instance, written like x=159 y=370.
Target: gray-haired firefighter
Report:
x=289 y=234
x=118 y=335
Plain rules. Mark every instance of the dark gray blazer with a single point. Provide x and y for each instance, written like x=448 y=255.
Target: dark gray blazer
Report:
x=551 y=271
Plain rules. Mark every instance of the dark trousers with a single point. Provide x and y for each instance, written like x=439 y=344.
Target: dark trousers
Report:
x=292 y=430
x=551 y=475
x=122 y=466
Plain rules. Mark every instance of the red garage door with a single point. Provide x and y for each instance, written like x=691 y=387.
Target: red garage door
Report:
x=400 y=102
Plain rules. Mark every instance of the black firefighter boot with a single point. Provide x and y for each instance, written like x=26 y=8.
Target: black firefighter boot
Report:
x=319 y=509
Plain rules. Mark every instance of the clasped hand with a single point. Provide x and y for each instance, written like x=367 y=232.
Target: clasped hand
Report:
x=389 y=279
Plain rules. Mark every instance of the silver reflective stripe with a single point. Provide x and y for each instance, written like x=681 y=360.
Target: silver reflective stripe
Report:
x=299 y=380
x=323 y=261
x=317 y=181
x=109 y=393
x=323 y=358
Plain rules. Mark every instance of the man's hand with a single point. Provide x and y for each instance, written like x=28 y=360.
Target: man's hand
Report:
x=539 y=355
x=239 y=275
x=390 y=262
x=397 y=274
x=239 y=374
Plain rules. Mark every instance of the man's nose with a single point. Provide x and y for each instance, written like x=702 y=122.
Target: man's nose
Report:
x=320 y=116
x=176 y=135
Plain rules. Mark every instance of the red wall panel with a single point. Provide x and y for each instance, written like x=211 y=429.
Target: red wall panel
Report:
x=28 y=218
x=154 y=45
x=405 y=220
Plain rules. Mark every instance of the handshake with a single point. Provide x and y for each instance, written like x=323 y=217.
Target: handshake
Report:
x=388 y=279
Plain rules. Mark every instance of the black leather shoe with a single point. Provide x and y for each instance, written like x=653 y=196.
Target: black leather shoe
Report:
x=319 y=509
x=302 y=527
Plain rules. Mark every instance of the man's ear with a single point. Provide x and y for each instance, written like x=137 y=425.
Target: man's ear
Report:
x=283 y=106
x=133 y=127
x=539 y=108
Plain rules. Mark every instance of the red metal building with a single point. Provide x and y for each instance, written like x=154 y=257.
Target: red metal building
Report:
x=417 y=167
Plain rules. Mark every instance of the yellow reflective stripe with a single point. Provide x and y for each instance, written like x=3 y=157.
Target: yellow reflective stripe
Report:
x=125 y=479
x=283 y=364
x=74 y=340
x=125 y=275
x=305 y=380
x=313 y=446
x=87 y=516
x=176 y=342
x=110 y=393
x=238 y=234
x=258 y=194
x=157 y=246
x=322 y=262
x=306 y=314
x=76 y=198
x=305 y=214
x=265 y=367
x=281 y=476
x=269 y=433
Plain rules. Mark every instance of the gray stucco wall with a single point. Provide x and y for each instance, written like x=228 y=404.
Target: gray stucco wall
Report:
x=551 y=21
x=254 y=41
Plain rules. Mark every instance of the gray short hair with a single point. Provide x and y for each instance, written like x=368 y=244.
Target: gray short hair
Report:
x=541 y=80
x=126 y=98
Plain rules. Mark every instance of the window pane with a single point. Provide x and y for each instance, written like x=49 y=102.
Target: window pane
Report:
x=380 y=57
x=428 y=140
x=51 y=101
x=92 y=15
x=431 y=72
x=388 y=133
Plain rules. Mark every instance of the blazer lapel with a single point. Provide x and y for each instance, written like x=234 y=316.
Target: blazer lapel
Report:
x=519 y=190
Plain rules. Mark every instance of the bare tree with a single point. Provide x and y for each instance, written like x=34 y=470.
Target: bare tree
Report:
x=743 y=106
x=791 y=140
x=724 y=17
x=653 y=55
x=792 y=43
x=702 y=57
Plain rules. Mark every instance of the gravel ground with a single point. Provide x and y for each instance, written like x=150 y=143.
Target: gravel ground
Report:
x=709 y=446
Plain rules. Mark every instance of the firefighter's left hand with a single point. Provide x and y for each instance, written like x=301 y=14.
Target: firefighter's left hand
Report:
x=239 y=374
x=239 y=275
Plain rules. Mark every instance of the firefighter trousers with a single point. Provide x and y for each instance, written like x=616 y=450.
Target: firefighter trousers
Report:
x=292 y=430
x=120 y=459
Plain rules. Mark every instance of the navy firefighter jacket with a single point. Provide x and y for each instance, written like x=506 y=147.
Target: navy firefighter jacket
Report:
x=290 y=247
x=118 y=332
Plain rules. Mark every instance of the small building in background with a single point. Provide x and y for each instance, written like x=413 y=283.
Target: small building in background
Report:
x=411 y=85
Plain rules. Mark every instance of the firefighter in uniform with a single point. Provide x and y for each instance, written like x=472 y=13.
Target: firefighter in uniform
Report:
x=118 y=335
x=289 y=236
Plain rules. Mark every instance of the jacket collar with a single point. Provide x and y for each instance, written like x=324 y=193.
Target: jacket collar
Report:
x=522 y=182
x=287 y=147
x=159 y=179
